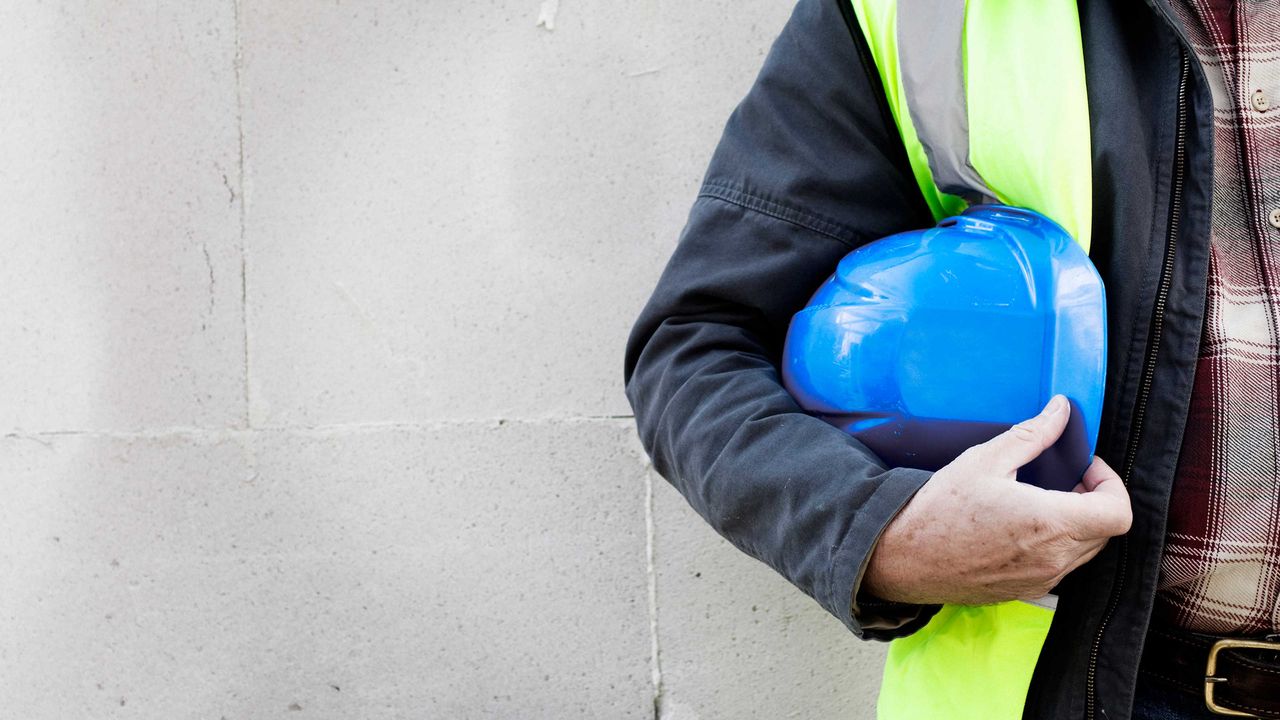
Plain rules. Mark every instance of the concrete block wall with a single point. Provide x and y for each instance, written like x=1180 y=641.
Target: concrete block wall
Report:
x=312 y=407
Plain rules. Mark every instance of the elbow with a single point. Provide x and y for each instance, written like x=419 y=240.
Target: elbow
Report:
x=642 y=383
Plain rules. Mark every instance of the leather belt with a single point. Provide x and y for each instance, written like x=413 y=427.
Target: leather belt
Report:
x=1236 y=676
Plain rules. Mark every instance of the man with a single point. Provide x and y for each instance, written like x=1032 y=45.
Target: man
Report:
x=1186 y=235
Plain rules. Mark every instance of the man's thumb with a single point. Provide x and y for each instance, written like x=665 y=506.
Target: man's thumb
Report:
x=1023 y=442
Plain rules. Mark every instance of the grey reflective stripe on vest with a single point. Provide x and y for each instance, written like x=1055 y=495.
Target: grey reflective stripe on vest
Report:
x=931 y=59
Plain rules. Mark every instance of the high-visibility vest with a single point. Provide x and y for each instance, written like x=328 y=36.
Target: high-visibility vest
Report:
x=989 y=99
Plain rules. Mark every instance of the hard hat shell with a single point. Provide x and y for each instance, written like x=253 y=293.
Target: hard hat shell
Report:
x=925 y=343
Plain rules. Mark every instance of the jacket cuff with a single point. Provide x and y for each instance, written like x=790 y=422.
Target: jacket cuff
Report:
x=867 y=617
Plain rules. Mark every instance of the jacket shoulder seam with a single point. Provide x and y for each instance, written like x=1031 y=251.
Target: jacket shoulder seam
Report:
x=786 y=213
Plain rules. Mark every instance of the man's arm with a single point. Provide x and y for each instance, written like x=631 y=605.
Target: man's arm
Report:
x=809 y=167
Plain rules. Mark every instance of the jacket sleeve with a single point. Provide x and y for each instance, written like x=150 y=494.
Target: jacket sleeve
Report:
x=810 y=166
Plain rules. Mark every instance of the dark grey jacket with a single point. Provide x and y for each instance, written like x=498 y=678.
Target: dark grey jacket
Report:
x=811 y=166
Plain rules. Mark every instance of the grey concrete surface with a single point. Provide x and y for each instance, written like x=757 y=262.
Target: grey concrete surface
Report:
x=739 y=641
x=528 y=185
x=313 y=339
x=462 y=570
x=118 y=211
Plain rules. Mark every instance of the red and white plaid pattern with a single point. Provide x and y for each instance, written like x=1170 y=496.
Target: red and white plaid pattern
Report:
x=1221 y=568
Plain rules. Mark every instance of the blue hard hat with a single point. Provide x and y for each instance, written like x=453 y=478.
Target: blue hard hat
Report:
x=925 y=343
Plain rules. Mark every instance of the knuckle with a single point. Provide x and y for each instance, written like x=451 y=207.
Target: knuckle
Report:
x=971 y=455
x=975 y=462
x=1060 y=566
x=1031 y=433
x=1124 y=521
x=1114 y=524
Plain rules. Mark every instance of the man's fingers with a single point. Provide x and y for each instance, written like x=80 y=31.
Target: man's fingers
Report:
x=1024 y=442
x=1098 y=471
x=1103 y=509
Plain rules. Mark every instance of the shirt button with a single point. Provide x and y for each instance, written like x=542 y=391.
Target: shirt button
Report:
x=1260 y=101
x=1275 y=218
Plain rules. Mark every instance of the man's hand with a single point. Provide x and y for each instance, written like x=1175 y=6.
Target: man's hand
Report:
x=974 y=535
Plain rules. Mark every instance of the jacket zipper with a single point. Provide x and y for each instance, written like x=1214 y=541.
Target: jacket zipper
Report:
x=1149 y=367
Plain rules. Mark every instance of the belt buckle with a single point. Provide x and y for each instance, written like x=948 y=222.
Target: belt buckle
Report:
x=1211 y=678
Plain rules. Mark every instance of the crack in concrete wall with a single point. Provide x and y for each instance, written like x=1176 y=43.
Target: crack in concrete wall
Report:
x=319 y=429
x=655 y=652
x=238 y=64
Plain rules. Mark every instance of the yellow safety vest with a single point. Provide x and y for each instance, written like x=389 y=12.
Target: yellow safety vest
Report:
x=989 y=99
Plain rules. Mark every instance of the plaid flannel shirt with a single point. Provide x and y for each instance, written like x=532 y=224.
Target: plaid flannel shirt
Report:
x=1220 y=571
